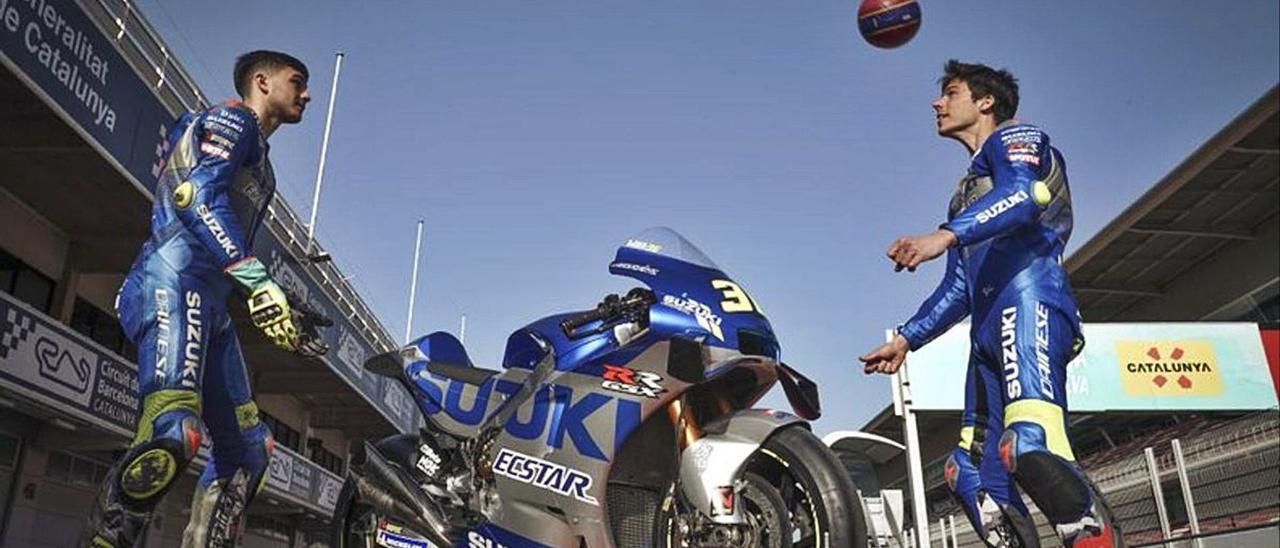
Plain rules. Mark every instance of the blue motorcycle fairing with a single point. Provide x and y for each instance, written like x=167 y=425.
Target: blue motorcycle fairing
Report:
x=442 y=347
x=697 y=301
x=525 y=347
x=492 y=536
x=695 y=298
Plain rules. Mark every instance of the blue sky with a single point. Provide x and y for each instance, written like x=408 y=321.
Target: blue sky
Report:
x=533 y=137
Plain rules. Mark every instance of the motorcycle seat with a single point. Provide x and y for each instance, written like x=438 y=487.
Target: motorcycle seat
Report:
x=463 y=373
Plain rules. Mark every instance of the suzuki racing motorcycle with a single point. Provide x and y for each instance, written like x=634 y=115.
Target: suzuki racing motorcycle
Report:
x=627 y=425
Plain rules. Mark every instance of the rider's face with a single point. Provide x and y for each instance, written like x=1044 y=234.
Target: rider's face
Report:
x=288 y=94
x=956 y=110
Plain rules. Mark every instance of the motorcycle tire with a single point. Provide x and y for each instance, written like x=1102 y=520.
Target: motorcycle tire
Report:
x=795 y=472
x=818 y=491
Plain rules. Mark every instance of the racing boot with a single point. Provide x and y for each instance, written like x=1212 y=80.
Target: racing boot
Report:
x=113 y=522
x=1002 y=526
x=216 y=510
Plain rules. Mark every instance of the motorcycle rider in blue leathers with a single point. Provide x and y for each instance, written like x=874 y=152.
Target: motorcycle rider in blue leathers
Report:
x=1008 y=223
x=210 y=202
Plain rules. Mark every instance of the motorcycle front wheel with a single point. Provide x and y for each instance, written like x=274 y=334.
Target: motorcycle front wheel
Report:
x=795 y=493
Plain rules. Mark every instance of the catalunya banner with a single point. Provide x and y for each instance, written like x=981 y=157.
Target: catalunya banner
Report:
x=57 y=49
x=1125 y=367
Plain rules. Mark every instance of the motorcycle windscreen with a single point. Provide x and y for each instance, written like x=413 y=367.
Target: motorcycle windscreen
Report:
x=693 y=293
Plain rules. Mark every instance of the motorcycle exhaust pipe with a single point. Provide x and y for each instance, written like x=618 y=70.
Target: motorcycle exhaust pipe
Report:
x=387 y=489
x=383 y=502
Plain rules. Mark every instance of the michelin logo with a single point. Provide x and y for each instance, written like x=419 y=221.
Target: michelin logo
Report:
x=392 y=540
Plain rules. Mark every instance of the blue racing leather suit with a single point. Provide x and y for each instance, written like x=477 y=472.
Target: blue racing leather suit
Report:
x=211 y=199
x=1011 y=215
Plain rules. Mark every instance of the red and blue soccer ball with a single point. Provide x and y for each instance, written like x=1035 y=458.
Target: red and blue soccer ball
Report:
x=888 y=23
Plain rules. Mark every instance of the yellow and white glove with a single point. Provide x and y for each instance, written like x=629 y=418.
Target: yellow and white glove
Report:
x=287 y=323
x=270 y=310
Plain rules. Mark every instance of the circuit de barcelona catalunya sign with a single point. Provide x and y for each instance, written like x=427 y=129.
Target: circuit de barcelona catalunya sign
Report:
x=1126 y=367
x=42 y=360
x=60 y=50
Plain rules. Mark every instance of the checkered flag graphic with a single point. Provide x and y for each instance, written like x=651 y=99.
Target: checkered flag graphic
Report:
x=14 y=330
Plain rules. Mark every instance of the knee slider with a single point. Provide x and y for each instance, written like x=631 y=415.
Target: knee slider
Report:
x=154 y=462
x=951 y=471
x=960 y=471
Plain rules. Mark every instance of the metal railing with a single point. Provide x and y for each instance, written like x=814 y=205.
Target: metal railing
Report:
x=1232 y=471
x=282 y=217
x=143 y=48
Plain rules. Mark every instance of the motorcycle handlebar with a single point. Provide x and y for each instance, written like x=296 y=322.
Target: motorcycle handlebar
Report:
x=609 y=309
x=572 y=324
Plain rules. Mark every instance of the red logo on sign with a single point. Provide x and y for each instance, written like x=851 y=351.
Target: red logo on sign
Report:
x=1161 y=380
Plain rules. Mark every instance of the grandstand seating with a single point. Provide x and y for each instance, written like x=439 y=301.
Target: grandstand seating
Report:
x=1233 y=466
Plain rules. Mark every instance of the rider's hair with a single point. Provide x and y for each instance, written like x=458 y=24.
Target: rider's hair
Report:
x=263 y=60
x=983 y=82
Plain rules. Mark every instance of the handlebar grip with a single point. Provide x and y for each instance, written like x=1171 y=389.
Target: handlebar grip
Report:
x=609 y=309
x=572 y=324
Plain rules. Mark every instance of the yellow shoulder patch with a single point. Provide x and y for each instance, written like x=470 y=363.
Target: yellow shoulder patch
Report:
x=186 y=193
x=1040 y=191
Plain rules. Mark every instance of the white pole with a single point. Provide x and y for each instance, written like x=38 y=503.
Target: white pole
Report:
x=1156 y=491
x=413 y=285
x=1186 y=492
x=462 y=330
x=951 y=520
x=911 y=437
x=324 y=149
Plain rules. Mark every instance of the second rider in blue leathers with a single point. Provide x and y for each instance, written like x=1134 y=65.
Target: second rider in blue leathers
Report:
x=1006 y=229
x=210 y=201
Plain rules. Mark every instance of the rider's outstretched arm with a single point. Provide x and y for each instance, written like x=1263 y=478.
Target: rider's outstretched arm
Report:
x=1013 y=158
x=948 y=304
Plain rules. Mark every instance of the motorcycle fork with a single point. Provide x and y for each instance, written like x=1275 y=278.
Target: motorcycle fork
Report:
x=684 y=419
x=683 y=413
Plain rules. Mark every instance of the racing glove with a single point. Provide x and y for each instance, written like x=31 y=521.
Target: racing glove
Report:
x=309 y=322
x=280 y=318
